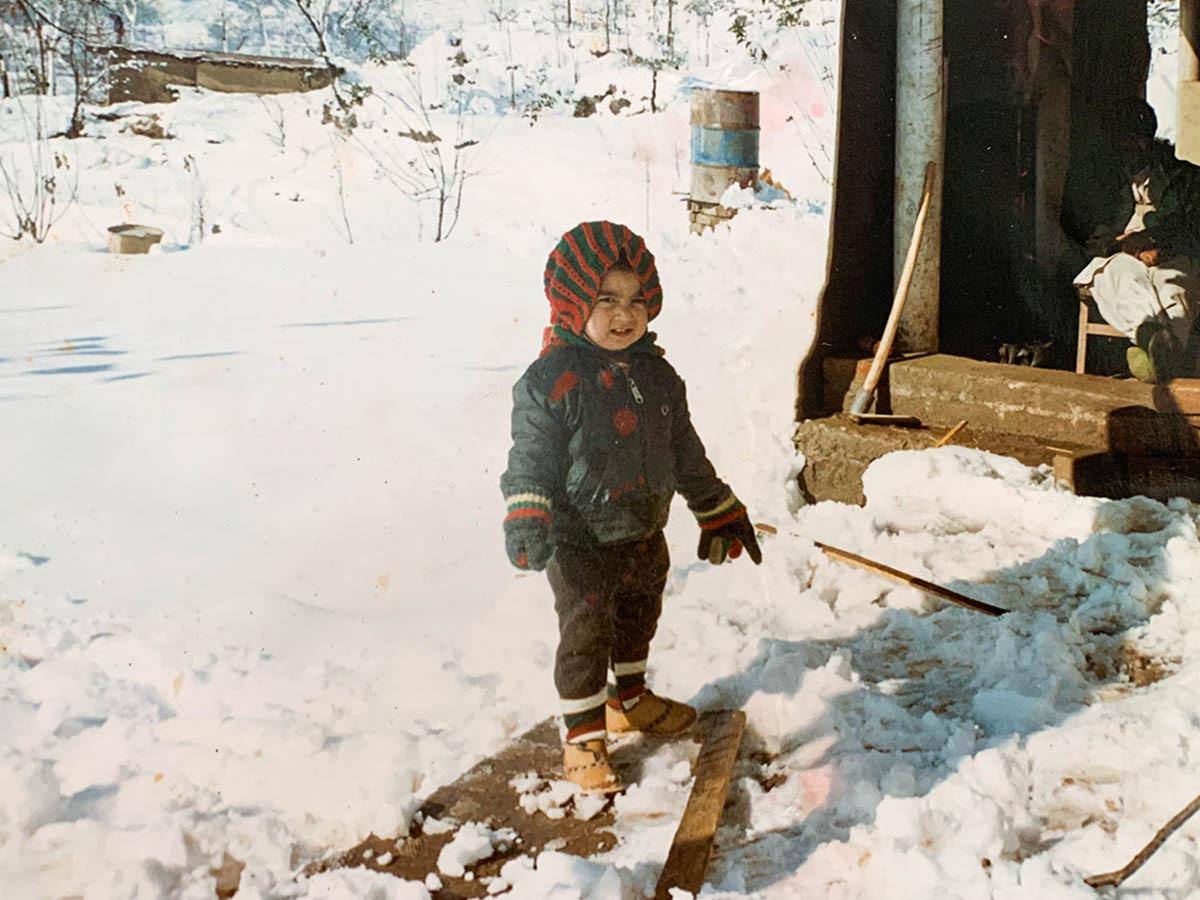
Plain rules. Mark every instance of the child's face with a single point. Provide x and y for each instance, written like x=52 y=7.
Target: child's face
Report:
x=619 y=317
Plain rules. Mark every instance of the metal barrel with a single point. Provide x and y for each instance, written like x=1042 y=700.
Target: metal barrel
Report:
x=724 y=141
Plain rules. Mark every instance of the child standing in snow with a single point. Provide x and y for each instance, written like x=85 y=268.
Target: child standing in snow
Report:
x=602 y=440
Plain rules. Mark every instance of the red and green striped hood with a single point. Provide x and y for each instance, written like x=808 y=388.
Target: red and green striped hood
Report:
x=575 y=268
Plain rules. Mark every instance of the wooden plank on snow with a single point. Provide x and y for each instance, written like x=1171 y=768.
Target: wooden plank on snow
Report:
x=692 y=847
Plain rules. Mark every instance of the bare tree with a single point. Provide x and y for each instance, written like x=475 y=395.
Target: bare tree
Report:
x=334 y=142
x=703 y=10
x=316 y=15
x=73 y=33
x=276 y=114
x=504 y=17
x=39 y=188
x=85 y=28
x=198 y=197
x=427 y=168
x=27 y=41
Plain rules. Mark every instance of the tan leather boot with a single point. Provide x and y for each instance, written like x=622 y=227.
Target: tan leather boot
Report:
x=586 y=764
x=652 y=714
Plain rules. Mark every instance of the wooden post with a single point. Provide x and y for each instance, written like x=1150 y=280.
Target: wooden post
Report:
x=1050 y=76
x=920 y=140
x=1189 y=42
x=1187 y=142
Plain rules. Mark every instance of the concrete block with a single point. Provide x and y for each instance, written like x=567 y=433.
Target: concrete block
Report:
x=1054 y=405
x=837 y=451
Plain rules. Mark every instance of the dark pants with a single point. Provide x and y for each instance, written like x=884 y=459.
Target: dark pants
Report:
x=608 y=601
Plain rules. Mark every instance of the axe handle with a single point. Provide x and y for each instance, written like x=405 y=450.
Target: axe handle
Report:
x=866 y=393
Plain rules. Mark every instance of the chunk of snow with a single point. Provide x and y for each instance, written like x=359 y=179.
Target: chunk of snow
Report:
x=472 y=843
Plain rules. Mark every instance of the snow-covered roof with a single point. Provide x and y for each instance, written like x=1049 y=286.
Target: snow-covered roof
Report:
x=236 y=59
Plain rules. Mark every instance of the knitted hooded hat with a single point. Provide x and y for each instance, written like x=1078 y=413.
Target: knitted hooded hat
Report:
x=575 y=268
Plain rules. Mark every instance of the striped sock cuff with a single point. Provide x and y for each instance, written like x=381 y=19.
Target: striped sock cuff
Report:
x=591 y=729
x=723 y=513
x=583 y=719
x=625 y=698
x=630 y=684
x=527 y=506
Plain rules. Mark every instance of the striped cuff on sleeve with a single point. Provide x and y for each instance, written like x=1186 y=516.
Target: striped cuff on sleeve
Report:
x=728 y=510
x=527 y=506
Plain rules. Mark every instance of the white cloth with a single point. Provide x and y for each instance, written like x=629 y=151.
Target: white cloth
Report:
x=1128 y=292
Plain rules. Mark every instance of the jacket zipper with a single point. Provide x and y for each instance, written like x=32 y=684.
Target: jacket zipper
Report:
x=633 y=389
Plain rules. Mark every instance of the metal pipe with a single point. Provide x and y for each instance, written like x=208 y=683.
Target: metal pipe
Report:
x=920 y=140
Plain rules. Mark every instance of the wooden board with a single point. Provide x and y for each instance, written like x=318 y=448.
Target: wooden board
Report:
x=483 y=794
x=688 y=858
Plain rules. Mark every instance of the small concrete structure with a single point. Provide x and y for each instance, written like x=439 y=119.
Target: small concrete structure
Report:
x=149 y=76
x=131 y=238
x=724 y=151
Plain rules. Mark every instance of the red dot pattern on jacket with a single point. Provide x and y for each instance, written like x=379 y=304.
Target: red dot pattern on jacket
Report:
x=607 y=379
x=625 y=420
x=566 y=382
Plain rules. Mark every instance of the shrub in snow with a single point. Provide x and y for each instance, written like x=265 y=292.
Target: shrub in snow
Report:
x=38 y=183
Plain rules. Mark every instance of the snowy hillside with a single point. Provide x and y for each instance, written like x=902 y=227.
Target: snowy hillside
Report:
x=253 y=593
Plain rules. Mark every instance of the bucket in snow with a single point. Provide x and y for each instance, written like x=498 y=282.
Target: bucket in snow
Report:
x=133 y=238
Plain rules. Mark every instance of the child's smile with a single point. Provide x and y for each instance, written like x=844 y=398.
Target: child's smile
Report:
x=619 y=317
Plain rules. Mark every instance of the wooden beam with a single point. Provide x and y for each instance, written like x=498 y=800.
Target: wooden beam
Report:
x=688 y=858
x=1187 y=139
x=1189 y=41
x=1090 y=473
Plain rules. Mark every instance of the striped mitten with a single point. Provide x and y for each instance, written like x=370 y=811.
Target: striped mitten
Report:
x=527 y=531
x=724 y=531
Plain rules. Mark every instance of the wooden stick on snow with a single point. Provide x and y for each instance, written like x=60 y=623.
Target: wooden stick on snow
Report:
x=919 y=583
x=1112 y=879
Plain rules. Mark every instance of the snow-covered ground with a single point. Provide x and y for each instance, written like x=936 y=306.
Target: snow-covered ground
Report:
x=253 y=594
